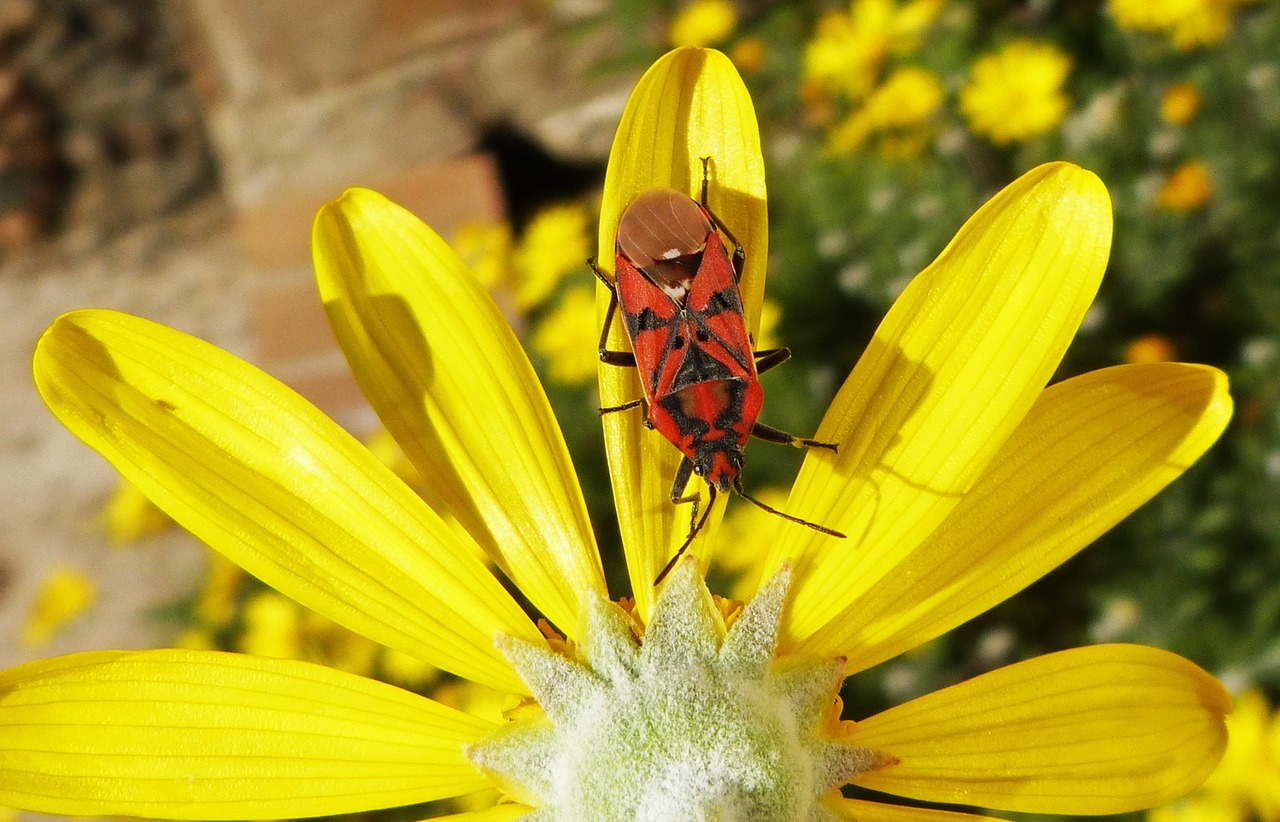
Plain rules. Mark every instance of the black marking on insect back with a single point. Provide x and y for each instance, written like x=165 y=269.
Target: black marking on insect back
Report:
x=706 y=332
x=690 y=426
x=646 y=319
x=718 y=434
x=697 y=366
x=726 y=299
x=732 y=414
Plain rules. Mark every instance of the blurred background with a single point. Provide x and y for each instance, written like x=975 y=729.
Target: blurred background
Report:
x=166 y=158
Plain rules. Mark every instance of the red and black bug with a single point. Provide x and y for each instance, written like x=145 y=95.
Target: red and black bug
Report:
x=677 y=285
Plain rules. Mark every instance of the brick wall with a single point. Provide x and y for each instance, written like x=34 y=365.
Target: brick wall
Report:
x=306 y=98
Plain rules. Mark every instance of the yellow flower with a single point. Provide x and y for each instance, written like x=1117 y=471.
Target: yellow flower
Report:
x=963 y=477
x=568 y=335
x=130 y=517
x=1208 y=25
x=194 y=639
x=271 y=627
x=406 y=670
x=702 y=23
x=1249 y=773
x=1246 y=784
x=555 y=243
x=847 y=50
x=1016 y=93
x=1189 y=23
x=909 y=96
x=328 y=643
x=1188 y=187
x=216 y=604
x=485 y=248
x=1143 y=15
x=1150 y=348
x=1180 y=103
x=749 y=54
x=902 y=104
x=65 y=594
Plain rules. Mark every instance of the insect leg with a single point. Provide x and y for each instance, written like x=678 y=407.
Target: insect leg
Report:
x=626 y=406
x=739 y=253
x=771 y=358
x=624 y=359
x=822 y=529
x=683 y=473
x=770 y=434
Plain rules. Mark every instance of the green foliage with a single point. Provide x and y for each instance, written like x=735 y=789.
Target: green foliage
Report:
x=1195 y=570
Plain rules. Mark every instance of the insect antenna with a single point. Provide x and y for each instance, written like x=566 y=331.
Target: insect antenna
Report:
x=693 y=532
x=822 y=529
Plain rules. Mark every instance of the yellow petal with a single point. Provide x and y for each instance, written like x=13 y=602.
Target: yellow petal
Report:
x=689 y=105
x=949 y=374
x=259 y=474
x=207 y=735
x=863 y=811
x=1091 y=450
x=445 y=372
x=1103 y=729
x=498 y=813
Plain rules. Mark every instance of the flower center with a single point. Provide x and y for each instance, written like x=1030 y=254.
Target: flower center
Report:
x=695 y=723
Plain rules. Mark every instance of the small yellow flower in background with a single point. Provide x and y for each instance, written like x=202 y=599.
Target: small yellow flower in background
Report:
x=1246 y=784
x=1016 y=93
x=1187 y=188
x=567 y=337
x=328 y=643
x=1150 y=348
x=749 y=54
x=65 y=594
x=219 y=596
x=1144 y=15
x=963 y=476
x=276 y=626
x=407 y=671
x=902 y=105
x=130 y=517
x=1180 y=103
x=847 y=50
x=1210 y=24
x=272 y=627
x=1189 y=23
x=486 y=248
x=554 y=244
x=195 y=638
x=702 y=23
x=908 y=97
x=1250 y=769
